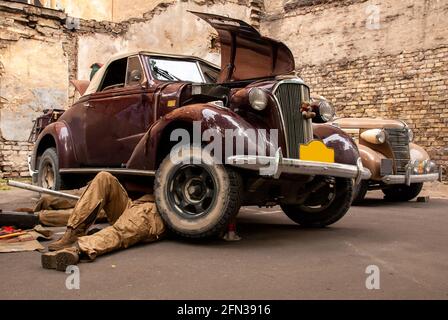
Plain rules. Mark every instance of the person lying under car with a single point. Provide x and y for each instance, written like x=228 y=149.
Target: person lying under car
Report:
x=131 y=222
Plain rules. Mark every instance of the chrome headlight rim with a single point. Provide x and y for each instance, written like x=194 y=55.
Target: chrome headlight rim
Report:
x=258 y=99
x=429 y=166
x=326 y=111
x=410 y=134
x=381 y=136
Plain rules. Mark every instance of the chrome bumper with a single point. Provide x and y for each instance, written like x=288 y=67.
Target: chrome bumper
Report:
x=33 y=173
x=275 y=166
x=409 y=178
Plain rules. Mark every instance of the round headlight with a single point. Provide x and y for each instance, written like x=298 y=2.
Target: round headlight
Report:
x=326 y=110
x=375 y=136
x=258 y=99
x=381 y=136
x=410 y=135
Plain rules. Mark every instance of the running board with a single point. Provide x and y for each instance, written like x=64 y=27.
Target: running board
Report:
x=117 y=171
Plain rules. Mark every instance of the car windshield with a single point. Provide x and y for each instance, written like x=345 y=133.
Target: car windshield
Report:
x=168 y=69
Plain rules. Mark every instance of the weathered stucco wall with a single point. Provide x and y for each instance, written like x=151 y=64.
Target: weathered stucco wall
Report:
x=123 y=10
x=380 y=58
x=336 y=30
x=91 y=9
x=34 y=76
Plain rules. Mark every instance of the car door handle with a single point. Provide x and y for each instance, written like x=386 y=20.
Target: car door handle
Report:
x=87 y=104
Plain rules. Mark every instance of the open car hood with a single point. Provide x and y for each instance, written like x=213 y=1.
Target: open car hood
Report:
x=245 y=54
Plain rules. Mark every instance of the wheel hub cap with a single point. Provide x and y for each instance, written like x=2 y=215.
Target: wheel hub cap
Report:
x=192 y=190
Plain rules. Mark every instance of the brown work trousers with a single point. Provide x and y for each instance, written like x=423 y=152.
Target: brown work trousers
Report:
x=54 y=211
x=132 y=222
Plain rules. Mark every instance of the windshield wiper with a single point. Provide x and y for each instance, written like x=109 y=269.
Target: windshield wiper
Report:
x=165 y=74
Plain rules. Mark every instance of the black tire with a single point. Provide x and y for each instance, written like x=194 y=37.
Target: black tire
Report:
x=179 y=187
x=48 y=171
x=360 y=191
x=310 y=215
x=402 y=192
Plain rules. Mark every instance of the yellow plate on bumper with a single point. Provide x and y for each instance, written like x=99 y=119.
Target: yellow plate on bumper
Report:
x=316 y=150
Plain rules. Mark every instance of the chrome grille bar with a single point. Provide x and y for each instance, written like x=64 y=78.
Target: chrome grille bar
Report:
x=290 y=95
x=399 y=141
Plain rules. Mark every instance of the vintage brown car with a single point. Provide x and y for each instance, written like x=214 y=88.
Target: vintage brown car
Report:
x=398 y=167
x=124 y=122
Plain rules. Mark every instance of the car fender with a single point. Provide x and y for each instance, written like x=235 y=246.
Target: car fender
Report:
x=60 y=133
x=418 y=153
x=371 y=160
x=210 y=116
x=345 y=149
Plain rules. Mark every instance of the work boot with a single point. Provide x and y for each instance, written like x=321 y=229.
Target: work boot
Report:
x=61 y=259
x=68 y=239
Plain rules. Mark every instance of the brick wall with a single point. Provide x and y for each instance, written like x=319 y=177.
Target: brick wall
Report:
x=411 y=86
x=13 y=158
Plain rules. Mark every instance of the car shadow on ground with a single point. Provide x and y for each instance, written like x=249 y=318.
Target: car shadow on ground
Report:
x=257 y=234
x=375 y=202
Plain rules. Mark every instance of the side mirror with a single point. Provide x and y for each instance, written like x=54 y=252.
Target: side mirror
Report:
x=136 y=76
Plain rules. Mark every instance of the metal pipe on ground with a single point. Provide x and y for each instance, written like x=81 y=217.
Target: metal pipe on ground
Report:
x=29 y=187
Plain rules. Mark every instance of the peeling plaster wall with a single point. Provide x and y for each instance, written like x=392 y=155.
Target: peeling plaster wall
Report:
x=35 y=78
x=91 y=9
x=335 y=30
x=123 y=10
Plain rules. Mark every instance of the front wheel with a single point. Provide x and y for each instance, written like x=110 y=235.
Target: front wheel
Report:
x=195 y=197
x=323 y=207
x=402 y=192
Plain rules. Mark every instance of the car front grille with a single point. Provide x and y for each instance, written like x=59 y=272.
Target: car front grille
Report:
x=399 y=142
x=290 y=96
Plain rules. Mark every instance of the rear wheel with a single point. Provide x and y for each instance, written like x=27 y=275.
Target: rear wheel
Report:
x=48 y=171
x=402 y=192
x=323 y=207
x=195 y=197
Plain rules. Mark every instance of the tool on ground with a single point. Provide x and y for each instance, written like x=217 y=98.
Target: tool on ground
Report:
x=12 y=235
x=30 y=187
x=231 y=234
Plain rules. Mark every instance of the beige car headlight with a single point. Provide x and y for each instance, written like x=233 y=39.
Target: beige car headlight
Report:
x=375 y=136
x=258 y=99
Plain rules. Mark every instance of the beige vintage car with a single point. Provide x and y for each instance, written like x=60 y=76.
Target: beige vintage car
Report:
x=398 y=166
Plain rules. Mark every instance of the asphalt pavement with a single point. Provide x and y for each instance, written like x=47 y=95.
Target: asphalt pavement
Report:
x=276 y=259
